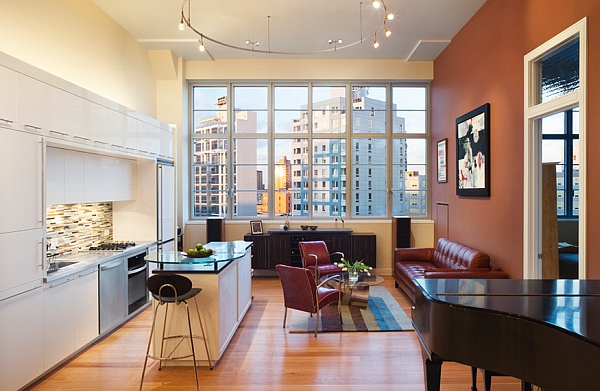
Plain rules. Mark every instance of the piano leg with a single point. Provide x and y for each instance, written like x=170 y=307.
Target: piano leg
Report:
x=433 y=374
x=474 y=379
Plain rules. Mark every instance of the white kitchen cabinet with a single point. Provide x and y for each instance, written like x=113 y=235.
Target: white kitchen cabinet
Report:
x=92 y=182
x=130 y=133
x=56 y=111
x=74 y=173
x=166 y=143
x=117 y=127
x=55 y=176
x=86 y=307
x=21 y=172
x=79 y=118
x=8 y=97
x=30 y=103
x=108 y=169
x=21 y=339
x=22 y=258
x=142 y=132
x=98 y=123
x=59 y=321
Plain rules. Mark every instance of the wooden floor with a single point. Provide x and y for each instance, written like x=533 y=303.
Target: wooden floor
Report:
x=264 y=356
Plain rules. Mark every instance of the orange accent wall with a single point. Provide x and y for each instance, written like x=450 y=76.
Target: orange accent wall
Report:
x=484 y=63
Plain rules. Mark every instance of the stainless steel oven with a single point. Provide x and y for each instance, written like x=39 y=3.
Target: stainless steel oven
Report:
x=137 y=275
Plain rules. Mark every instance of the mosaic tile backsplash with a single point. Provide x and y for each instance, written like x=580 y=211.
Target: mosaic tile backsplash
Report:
x=79 y=226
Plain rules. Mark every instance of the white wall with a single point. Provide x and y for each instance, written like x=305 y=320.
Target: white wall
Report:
x=77 y=41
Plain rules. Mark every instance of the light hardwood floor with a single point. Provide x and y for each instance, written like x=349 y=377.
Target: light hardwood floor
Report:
x=264 y=356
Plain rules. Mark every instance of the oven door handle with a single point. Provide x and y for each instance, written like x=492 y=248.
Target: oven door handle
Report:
x=135 y=271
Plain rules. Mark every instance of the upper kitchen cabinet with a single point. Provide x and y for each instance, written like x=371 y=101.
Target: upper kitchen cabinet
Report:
x=131 y=134
x=55 y=176
x=92 y=185
x=99 y=123
x=166 y=143
x=56 y=111
x=8 y=100
x=30 y=103
x=79 y=118
x=74 y=176
x=117 y=129
x=21 y=172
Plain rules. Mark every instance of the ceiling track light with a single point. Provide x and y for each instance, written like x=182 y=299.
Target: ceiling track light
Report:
x=253 y=43
x=335 y=42
x=186 y=21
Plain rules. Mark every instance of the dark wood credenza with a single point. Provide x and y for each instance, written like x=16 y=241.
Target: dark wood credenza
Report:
x=281 y=246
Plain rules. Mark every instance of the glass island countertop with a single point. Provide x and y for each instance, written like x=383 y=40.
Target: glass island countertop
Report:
x=224 y=254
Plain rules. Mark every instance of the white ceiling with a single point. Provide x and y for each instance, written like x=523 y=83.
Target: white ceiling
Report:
x=420 y=31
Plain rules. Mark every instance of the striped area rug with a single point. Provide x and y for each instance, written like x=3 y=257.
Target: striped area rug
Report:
x=381 y=313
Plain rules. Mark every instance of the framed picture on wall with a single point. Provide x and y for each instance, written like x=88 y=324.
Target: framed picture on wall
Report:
x=442 y=158
x=256 y=227
x=473 y=152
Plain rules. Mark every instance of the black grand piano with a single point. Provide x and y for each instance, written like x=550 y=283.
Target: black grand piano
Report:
x=544 y=332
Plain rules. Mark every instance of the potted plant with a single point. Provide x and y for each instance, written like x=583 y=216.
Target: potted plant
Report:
x=354 y=269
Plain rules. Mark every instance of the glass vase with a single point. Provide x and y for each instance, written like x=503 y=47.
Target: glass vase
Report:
x=352 y=277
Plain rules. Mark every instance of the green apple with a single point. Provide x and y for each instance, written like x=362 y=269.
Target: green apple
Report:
x=199 y=246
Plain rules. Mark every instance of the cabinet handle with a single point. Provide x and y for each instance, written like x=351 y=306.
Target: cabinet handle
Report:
x=92 y=272
x=101 y=142
x=6 y=120
x=57 y=132
x=21 y=293
x=60 y=283
x=82 y=138
x=33 y=127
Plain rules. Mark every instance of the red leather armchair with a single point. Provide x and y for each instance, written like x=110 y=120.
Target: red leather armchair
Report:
x=301 y=292
x=317 y=259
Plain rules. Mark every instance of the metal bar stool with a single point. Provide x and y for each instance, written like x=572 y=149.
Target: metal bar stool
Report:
x=167 y=289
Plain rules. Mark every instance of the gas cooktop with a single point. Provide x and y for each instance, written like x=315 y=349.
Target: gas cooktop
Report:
x=112 y=246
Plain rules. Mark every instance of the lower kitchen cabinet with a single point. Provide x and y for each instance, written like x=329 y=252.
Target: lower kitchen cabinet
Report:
x=21 y=337
x=70 y=315
x=86 y=307
x=59 y=321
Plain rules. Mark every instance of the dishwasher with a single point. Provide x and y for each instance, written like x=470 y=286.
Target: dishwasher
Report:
x=113 y=294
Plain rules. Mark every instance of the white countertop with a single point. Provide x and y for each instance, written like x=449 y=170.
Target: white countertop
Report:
x=88 y=259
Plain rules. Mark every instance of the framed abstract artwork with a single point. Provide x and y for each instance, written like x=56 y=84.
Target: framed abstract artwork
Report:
x=473 y=152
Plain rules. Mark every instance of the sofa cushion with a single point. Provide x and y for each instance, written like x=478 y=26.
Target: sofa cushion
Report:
x=415 y=269
x=452 y=255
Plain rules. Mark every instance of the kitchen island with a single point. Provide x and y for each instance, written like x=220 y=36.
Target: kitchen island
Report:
x=226 y=281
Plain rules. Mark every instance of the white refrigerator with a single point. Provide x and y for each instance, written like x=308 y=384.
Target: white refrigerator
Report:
x=166 y=207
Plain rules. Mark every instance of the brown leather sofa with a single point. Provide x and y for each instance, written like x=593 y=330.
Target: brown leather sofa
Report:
x=447 y=260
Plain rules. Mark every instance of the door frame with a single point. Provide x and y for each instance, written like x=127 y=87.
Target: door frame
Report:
x=532 y=163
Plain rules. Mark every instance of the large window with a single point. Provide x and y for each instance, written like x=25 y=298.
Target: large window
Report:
x=300 y=150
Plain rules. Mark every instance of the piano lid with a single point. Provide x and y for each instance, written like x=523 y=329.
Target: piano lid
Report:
x=571 y=305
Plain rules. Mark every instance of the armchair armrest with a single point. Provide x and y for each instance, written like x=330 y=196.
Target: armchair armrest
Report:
x=331 y=277
x=312 y=256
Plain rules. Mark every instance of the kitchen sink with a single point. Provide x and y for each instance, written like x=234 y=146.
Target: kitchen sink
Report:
x=55 y=266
